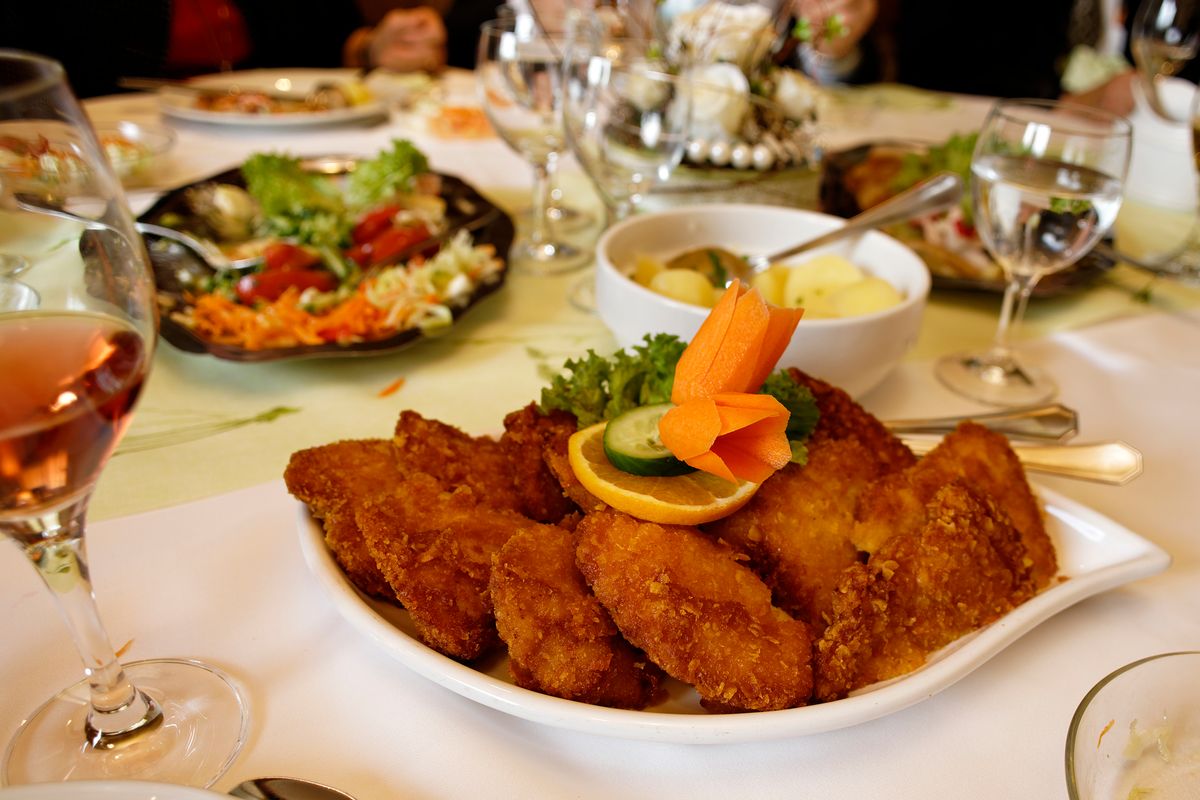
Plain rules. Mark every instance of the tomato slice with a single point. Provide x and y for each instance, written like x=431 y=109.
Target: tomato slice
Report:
x=284 y=256
x=374 y=223
x=269 y=285
x=385 y=247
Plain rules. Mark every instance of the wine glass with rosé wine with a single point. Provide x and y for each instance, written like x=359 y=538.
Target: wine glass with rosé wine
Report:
x=76 y=344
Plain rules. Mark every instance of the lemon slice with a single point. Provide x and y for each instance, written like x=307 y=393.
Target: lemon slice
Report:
x=690 y=499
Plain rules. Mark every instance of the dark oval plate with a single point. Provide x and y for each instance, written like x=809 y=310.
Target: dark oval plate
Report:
x=176 y=268
x=836 y=198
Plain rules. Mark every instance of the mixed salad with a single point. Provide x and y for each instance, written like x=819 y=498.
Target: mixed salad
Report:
x=336 y=260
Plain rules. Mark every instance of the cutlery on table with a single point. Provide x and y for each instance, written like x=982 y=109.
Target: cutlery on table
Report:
x=286 y=789
x=1115 y=462
x=1054 y=422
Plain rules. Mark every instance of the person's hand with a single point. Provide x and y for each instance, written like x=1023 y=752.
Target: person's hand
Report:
x=409 y=40
x=855 y=19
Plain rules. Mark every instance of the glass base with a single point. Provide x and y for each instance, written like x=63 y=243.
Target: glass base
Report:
x=999 y=383
x=561 y=217
x=547 y=258
x=582 y=293
x=203 y=727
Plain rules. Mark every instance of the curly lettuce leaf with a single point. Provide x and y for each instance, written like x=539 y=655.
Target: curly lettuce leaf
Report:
x=296 y=204
x=800 y=402
x=388 y=174
x=596 y=388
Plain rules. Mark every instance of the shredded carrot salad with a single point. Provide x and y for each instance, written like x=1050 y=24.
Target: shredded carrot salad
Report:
x=416 y=295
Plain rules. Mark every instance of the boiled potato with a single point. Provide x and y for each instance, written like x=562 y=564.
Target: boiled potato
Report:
x=810 y=280
x=867 y=296
x=686 y=286
x=771 y=283
x=645 y=268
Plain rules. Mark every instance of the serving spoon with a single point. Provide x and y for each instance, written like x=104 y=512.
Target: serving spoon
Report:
x=936 y=193
x=286 y=789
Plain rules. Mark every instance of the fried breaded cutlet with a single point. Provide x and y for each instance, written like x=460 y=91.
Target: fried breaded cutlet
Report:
x=456 y=458
x=964 y=567
x=559 y=464
x=435 y=548
x=797 y=528
x=707 y=620
x=527 y=434
x=986 y=462
x=560 y=639
x=841 y=418
x=332 y=480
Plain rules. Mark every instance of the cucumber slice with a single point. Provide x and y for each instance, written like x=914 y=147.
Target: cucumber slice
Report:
x=632 y=445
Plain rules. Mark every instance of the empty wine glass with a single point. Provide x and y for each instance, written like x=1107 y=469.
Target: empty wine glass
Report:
x=626 y=121
x=519 y=84
x=1046 y=180
x=73 y=357
x=1165 y=35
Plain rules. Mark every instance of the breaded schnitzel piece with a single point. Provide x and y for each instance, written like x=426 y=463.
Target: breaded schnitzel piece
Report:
x=559 y=464
x=456 y=459
x=697 y=612
x=527 y=433
x=986 y=462
x=435 y=549
x=332 y=480
x=842 y=417
x=797 y=528
x=962 y=569
x=560 y=639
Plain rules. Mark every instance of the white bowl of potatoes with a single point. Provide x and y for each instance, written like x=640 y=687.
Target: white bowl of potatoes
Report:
x=863 y=297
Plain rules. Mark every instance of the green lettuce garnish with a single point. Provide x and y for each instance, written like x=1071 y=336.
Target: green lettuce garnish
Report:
x=388 y=174
x=597 y=388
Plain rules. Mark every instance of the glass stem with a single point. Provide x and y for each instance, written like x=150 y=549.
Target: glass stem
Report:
x=55 y=546
x=539 y=232
x=1012 y=310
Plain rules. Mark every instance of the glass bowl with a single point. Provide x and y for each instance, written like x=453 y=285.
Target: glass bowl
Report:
x=1136 y=734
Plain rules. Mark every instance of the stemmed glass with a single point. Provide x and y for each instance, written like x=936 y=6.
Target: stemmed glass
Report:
x=626 y=120
x=519 y=85
x=73 y=357
x=1046 y=179
x=1165 y=35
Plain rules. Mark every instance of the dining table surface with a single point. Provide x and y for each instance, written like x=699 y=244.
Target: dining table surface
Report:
x=195 y=544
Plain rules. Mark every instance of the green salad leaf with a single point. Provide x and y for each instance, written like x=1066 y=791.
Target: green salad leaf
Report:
x=386 y=175
x=952 y=156
x=800 y=402
x=296 y=204
x=596 y=388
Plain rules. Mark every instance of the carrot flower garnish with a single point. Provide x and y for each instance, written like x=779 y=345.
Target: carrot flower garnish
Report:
x=719 y=425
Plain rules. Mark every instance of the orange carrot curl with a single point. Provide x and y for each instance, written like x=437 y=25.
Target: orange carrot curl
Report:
x=719 y=425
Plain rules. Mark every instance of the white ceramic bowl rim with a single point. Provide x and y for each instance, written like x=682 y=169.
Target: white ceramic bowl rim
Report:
x=911 y=298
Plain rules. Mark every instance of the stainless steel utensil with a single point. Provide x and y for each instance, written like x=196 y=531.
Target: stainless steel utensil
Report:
x=286 y=789
x=1053 y=422
x=1115 y=463
x=936 y=193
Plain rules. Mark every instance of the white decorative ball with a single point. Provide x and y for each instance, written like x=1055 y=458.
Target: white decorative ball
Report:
x=763 y=158
x=719 y=153
x=741 y=156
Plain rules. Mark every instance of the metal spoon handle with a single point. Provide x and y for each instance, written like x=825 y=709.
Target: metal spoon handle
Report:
x=936 y=193
x=1114 y=463
x=1054 y=422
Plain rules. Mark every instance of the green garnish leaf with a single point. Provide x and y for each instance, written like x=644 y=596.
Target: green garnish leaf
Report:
x=952 y=156
x=386 y=175
x=596 y=388
x=720 y=274
x=798 y=400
